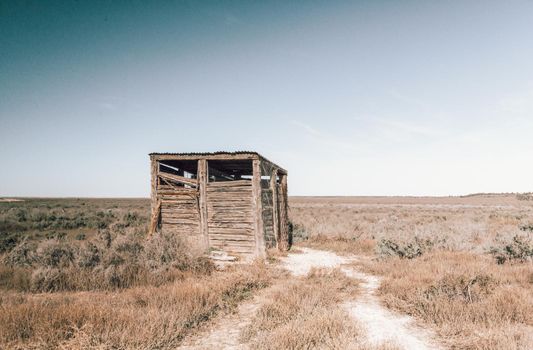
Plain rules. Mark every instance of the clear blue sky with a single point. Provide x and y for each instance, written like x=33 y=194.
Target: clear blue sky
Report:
x=353 y=98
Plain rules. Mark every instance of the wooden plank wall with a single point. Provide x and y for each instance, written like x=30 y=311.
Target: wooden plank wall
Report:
x=283 y=241
x=268 y=214
x=230 y=216
x=180 y=212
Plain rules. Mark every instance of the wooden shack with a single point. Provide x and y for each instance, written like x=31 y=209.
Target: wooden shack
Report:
x=234 y=202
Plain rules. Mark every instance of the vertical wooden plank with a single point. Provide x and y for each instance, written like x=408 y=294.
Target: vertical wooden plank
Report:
x=283 y=215
x=275 y=209
x=260 y=249
x=154 y=217
x=202 y=202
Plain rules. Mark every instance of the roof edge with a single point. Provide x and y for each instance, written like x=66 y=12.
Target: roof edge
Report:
x=215 y=154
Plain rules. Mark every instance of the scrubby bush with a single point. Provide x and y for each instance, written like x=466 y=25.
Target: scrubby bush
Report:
x=21 y=256
x=110 y=261
x=130 y=219
x=528 y=196
x=408 y=249
x=462 y=287
x=520 y=248
x=89 y=256
x=527 y=227
x=15 y=278
x=297 y=232
x=8 y=241
x=55 y=253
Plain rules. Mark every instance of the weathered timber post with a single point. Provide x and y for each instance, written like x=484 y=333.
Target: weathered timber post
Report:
x=258 y=212
x=155 y=202
x=283 y=214
x=275 y=209
x=202 y=202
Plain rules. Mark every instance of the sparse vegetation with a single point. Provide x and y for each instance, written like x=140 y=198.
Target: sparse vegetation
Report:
x=305 y=314
x=441 y=263
x=143 y=317
x=71 y=268
x=472 y=302
x=409 y=249
x=519 y=248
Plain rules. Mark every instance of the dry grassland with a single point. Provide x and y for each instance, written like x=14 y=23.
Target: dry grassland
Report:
x=305 y=313
x=462 y=266
x=80 y=274
x=135 y=318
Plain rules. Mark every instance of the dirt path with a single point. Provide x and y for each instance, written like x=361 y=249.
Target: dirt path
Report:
x=382 y=326
x=225 y=332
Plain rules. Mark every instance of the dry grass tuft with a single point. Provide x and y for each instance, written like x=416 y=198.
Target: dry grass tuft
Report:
x=108 y=262
x=461 y=265
x=471 y=301
x=305 y=314
x=342 y=244
x=143 y=317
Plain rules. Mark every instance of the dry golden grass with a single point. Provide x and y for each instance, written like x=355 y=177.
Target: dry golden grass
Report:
x=452 y=223
x=472 y=302
x=451 y=282
x=342 y=244
x=305 y=314
x=131 y=294
x=141 y=318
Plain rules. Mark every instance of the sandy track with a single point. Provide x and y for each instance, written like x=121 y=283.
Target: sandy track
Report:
x=225 y=332
x=381 y=325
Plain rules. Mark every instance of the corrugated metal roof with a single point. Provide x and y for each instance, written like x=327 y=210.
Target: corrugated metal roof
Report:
x=203 y=153
x=206 y=154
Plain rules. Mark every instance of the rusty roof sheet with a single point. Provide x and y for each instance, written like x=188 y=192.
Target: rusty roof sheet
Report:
x=206 y=154
x=203 y=153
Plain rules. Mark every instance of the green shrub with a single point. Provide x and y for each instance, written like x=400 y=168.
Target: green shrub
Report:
x=89 y=256
x=55 y=253
x=520 y=248
x=408 y=249
x=8 y=241
x=528 y=227
x=461 y=287
x=110 y=261
x=528 y=196
x=297 y=233
x=23 y=255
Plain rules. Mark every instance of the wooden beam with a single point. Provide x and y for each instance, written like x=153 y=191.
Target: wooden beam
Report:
x=202 y=201
x=240 y=156
x=260 y=249
x=275 y=208
x=154 y=203
x=283 y=243
x=179 y=179
x=154 y=220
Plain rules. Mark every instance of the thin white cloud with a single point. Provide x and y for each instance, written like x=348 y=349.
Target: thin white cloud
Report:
x=408 y=99
x=307 y=128
x=407 y=127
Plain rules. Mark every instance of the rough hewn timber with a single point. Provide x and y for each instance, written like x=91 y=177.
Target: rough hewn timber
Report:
x=258 y=212
x=283 y=215
x=178 y=179
x=155 y=204
x=202 y=200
